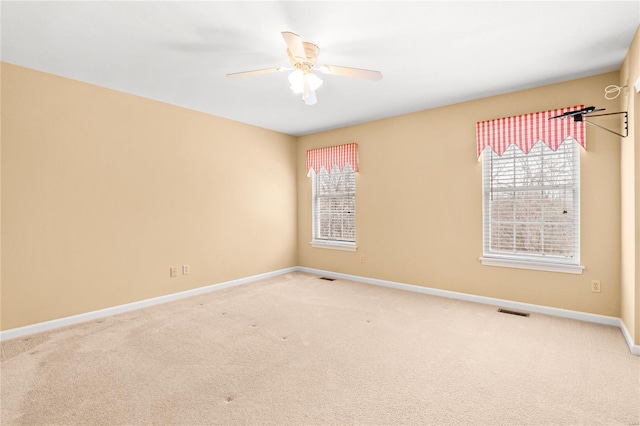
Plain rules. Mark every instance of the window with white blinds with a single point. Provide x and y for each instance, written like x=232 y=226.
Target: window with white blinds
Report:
x=531 y=204
x=334 y=207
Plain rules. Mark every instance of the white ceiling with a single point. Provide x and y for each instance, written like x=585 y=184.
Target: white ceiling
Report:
x=431 y=53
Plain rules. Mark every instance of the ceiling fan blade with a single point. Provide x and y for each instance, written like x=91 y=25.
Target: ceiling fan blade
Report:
x=255 y=72
x=351 y=72
x=294 y=43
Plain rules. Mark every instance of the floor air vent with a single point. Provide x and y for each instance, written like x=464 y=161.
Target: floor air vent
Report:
x=327 y=279
x=507 y=311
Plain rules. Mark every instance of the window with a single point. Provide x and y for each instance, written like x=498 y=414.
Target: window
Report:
x=334 y=208
x=531 y=207
x=333 y=171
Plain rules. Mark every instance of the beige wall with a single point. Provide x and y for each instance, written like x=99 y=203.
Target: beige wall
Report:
x=630 y=190
x=419 y=203
x=0 y=196
x=634 y=120
x=103 y=191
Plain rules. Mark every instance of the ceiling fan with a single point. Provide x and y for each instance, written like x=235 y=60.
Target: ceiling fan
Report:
x=303 y=57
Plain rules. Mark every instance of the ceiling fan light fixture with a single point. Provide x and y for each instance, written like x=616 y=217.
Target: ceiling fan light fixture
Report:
x=299 y=79
x=310 y=98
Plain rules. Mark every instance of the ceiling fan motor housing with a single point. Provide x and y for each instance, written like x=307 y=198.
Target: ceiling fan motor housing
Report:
x=311 y=52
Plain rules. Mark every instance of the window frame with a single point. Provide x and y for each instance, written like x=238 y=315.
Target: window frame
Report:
x=328 y=243
x=531 y=261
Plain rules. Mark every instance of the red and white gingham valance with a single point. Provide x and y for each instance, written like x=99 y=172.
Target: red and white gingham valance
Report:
x=333 y=156
x=525 y=130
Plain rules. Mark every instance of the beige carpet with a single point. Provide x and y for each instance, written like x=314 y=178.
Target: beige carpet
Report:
x=297 y=350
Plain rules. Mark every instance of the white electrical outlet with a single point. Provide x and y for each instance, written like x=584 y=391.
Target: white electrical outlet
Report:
x=595 y=286
x=185 y=269
x=173 y=272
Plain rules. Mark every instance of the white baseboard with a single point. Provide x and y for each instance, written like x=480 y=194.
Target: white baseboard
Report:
x=635 y=349
x=88 y=316
x=527 y=307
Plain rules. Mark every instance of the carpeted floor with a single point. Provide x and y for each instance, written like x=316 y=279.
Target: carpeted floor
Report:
x=297 y=350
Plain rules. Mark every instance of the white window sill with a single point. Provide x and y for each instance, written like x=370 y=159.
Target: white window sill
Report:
x=334 y=245
x=537 y=266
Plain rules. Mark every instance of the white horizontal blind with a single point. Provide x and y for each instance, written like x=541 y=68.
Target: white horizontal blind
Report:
x=334 y=205
x=531 y=203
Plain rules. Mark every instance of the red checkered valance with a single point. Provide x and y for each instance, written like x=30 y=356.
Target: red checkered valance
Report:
x=525 y=130
x=328 y=157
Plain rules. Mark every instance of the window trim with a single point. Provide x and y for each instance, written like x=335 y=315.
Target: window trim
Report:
x=537 y=262
x=328 y=243
x=334 y=245
x=568 y=268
